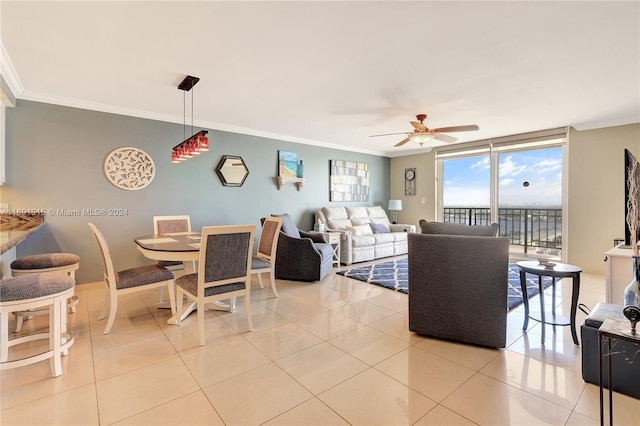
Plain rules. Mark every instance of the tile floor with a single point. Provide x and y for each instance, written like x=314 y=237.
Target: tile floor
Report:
x=335 y=352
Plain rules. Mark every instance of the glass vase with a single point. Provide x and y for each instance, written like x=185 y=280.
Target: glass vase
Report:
x=300 y=173
x=632 y=292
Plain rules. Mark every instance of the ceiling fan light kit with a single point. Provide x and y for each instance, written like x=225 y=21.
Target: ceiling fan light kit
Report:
x=197 y=143
x=422 y=134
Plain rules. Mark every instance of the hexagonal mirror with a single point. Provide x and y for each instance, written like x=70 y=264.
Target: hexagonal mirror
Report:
x=232 y=171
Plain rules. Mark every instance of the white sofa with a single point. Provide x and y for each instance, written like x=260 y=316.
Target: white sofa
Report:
x=366 y=233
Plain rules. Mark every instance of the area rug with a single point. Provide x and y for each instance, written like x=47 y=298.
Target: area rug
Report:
x=394 y=275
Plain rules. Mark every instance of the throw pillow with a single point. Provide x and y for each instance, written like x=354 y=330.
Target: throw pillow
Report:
x=458 y=229
x=360 y=230
x=379 y=228
x=288 y=226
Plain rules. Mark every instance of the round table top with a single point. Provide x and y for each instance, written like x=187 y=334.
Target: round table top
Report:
x=556 y=269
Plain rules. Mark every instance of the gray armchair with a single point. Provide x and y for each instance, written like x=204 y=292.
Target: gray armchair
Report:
x=458 y=283
x=301 y=256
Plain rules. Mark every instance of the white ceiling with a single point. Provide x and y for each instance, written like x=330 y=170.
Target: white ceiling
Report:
x=332 y=73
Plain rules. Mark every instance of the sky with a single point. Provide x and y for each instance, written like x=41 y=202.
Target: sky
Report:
x=526 y=179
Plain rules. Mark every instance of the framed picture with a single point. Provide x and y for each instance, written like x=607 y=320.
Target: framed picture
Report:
x=287 y=164
x=348 y=181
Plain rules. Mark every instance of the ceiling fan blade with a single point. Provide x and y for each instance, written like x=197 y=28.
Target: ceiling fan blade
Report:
x=457 y=128
x=444 y=138
x=402 y=142
x=389 y=134
x=418 y=125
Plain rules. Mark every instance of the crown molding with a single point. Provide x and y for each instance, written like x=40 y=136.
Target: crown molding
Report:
x=9 y=73
x=111 y=109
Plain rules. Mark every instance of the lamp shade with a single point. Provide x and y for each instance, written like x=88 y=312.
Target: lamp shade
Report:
x=395 y=205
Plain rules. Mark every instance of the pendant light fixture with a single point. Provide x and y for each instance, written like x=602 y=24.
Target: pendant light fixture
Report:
x=197 y=143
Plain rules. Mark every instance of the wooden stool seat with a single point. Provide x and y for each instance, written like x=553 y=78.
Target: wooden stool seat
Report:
x=36 y=291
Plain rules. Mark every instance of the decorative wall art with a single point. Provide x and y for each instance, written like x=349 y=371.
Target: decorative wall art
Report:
x=348 y=181
x=232 y=170
x=410 y=181
x=287 y=164
x=129 y=168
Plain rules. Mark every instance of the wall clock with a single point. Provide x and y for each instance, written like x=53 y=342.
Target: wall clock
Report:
x=129 y=168
x=410 y=181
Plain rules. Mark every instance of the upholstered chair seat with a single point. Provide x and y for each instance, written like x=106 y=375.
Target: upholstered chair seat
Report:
x=131 y=280
x=46 y=263
x=43 y=292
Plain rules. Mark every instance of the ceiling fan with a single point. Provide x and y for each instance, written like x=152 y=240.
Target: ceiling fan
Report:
x=422 y=133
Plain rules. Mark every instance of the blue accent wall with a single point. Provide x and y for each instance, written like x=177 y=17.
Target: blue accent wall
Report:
x=54 y=161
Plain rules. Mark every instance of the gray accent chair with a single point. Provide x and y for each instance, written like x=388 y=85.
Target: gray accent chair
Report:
x=301 y=256
x=458 y=283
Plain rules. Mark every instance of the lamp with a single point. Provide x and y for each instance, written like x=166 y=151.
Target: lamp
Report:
x=197 y=143
x=394 y=207
x=420 y=137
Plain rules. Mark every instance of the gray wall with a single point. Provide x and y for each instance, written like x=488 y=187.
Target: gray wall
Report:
x=54 y=160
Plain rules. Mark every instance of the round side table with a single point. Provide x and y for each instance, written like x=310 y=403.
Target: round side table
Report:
x=553 y=270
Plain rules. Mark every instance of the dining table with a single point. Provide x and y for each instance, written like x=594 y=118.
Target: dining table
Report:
x=176 y=246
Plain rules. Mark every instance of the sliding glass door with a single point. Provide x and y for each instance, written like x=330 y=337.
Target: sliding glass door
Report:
x=517 y=185
x=466 y=192
x=530 y=200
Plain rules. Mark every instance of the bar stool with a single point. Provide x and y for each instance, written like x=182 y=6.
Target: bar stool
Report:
x=36 y=291
x=48 y=263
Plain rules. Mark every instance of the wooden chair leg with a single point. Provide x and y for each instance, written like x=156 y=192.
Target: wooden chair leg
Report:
x=247 y=311
x=260 y=279
x=200 y=315
x=112 y=314
x=272 y=277
x=105 y=305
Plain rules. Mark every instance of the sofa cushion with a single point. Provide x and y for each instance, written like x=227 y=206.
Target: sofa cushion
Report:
x=400 y=236
x=360 y=230
x=357 y=213
x=379 y=228
x=335 y=213
x=384 y=238
x=458 y=229
x=339 y=224
x=360 y=221
x=363 y=240
x=288 y=225
x=377 y=214
x=336 y=218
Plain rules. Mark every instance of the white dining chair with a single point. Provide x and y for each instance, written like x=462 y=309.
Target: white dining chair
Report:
x=164 y=225
x=265 y=258
x=224 y=271
x=129 y=280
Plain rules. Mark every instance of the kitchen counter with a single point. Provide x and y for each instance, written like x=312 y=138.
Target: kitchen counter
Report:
x=10 y=239
x=15 y=228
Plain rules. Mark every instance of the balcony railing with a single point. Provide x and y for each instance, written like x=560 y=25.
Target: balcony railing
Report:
x=539 y=228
